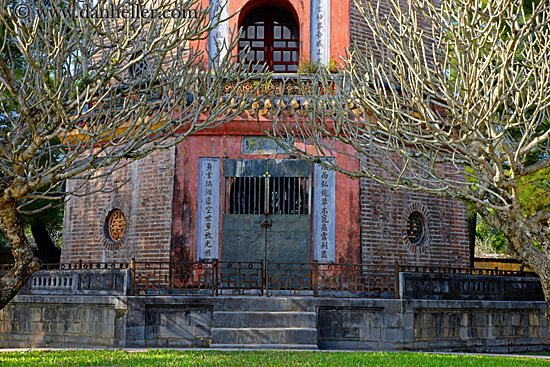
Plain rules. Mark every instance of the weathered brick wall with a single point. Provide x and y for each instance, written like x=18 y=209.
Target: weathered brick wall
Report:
x=358 y=28
x=385 y=212
x=146 y=200
x=360 y=32
x=384 y=215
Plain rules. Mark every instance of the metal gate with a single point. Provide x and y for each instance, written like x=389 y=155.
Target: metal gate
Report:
x=266 y=215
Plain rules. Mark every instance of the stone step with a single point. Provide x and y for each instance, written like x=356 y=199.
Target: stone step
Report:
x=257 y=319
x=275 y=335
x=266 y=346
x=254 y=303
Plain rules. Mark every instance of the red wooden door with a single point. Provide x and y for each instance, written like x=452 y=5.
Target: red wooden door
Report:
x=273 y=37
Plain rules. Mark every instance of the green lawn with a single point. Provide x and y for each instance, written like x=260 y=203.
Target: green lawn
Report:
x=254 y=358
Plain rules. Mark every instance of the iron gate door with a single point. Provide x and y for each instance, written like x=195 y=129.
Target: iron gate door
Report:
x=266 y=214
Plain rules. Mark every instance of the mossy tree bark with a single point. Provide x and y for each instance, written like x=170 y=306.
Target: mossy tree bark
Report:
x=25 y=263
x=527 y=242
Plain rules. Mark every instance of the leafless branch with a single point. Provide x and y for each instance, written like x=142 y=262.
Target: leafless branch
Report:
x=450 y=97
x=85 y=94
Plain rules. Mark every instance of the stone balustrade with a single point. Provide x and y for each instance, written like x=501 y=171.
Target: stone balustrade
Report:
x=83 y=282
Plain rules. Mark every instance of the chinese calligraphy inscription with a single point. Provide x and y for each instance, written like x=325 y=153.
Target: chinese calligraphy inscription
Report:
x=208 y=219
x=324 y=213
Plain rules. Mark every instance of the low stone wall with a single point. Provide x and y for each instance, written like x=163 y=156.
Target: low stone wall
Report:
x=481 y=326
x=187 y=321
x=63 y=321
x=68 y=308
x=169 y=321
x=469 y=287
x=428 y=325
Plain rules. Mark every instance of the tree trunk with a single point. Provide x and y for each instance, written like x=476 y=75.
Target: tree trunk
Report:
x=536 y=260
x=25 y=263
x=546 y=290
x=49 y=253
x=514 y=227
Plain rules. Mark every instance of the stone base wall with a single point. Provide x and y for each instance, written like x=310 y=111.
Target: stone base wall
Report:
x=175 y=322
x=371 y=324
x=505 y=327
x=62 y=322
x=424 y=325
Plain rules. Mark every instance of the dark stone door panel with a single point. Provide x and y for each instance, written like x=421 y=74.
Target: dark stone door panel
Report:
x=275 y=238
x=288 y=239
x=242 y=238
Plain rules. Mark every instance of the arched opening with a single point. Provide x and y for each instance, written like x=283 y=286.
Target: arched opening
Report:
x=272 y=36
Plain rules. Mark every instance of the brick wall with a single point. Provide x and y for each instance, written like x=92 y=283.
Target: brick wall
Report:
x=384 y=215
x=359 y=32
x=146 y=200
x=385 y=212
x=358 y=28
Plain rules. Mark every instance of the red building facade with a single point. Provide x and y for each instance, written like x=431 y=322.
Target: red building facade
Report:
x=230 y=194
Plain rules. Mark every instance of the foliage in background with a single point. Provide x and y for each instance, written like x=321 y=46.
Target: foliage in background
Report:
x=52 y=217
x=488 y=239
x=535 y=193
x=309 y=67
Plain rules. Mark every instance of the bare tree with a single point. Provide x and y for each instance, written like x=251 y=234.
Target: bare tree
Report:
x=447 y=97
x=89 y=86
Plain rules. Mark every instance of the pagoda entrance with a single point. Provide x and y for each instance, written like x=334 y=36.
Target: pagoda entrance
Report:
x=267 y=211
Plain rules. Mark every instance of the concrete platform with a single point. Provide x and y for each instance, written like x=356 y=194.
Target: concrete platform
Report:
x=250 y=322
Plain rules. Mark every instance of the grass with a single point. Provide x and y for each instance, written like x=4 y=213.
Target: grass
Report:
x=121 y=358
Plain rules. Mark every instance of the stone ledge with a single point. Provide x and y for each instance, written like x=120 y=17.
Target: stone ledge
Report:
x=380 y=324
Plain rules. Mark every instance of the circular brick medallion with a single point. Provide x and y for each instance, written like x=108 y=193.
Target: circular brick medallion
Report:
x=114 y=229
x=116 y=224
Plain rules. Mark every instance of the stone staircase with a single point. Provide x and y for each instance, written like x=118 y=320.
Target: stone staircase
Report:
x=263 y=323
